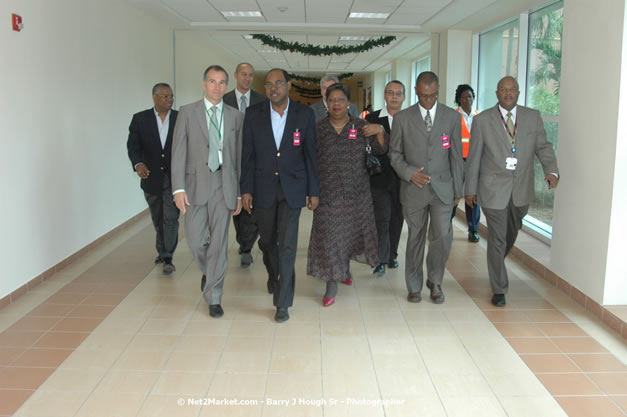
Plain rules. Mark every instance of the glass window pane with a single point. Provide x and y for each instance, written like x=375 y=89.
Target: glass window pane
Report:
x=420 y=65
x=498 y=57
x=543 y=94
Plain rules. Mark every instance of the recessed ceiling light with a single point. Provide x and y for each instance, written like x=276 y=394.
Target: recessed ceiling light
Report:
x=248 y=36
x=354 y=38
x=254 y=13
x=358 y=15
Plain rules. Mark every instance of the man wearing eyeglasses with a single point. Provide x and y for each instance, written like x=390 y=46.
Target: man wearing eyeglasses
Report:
x=385 y=188
x=205 y=178
x=279 y=177
x=426 y=153
x=500 y=174
x=149 y=149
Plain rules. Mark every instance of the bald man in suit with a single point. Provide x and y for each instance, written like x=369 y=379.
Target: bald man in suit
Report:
x=205 y=178
x=425 y=152
x=500 y=174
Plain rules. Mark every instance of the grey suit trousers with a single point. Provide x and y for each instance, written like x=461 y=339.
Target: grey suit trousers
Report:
x=503 y=227
x=437 y=215
x=165 y=218
x=207 y=234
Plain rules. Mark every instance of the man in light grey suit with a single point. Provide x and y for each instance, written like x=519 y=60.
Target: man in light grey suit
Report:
x=500 y=173
x=206 y=158
x=320 y=108
x=425 y=152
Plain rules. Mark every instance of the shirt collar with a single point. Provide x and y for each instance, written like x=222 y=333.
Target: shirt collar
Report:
x=432 y=110
x=384 y=112
x=209 y=105
x=276 y=112
x=504 y=112
x=239 y=95
x=167 y=116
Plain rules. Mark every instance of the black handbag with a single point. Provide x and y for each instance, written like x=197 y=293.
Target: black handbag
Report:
x=373 y=165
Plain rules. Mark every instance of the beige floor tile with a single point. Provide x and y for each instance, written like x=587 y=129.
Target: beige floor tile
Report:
x=390 y=363
x=345 y=362
x=182 y=383
x=262 y=329
x=248 y=344
x=240 y=386
x=70 y=380
x=291 y=363
x=456 y=385
x=233 y=407
x=200 y=343
x=168 y=406
x=52 y=404
x=342 y=329
x=344 y=344
x=405 y=384
x=208 y=327
x=244 y=362
x=192 y=362
x=305 y=344
x=350 y=384
x=141 y=361
x=531 y=406
x=163 y=326
x=426 y=405
x=107 y=404
x=128 y=381
x=387 y=345
x=516 y=384
x=293 y=411
x=152 y=343
x=472 y=406
x=294 y=385
x=339 y=408
x=387 y=330
x=106 y=341
x=91 y=359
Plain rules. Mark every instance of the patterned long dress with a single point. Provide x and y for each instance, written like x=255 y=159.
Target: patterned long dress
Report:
x=343 y=226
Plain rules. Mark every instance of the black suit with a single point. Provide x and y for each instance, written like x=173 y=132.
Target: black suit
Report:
x=144 y=146
x=385 y=189
x=246 y=229
x=279 y=181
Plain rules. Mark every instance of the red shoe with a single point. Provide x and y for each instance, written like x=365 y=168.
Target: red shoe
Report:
x=328 y=301
x=348 y=281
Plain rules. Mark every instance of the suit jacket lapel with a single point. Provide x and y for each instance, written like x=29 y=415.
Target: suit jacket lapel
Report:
x=201 y=114
x=502 y=133
x=168 y=139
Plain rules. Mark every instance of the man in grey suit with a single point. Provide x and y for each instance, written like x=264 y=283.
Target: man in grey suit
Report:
x=320 y=108
x=500 y=173
x=206 y=158
x=425 y=152
x=241 y=97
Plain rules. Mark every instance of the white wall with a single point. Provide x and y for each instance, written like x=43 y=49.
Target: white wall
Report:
x=73 y=78
x=590 y=199
x=458 y=63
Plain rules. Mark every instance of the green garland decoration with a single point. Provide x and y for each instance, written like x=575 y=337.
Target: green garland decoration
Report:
x=314 y=50
x=317 y=79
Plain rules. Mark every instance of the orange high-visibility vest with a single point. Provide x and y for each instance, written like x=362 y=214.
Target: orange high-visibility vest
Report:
x=364 y=114
x=465 y=133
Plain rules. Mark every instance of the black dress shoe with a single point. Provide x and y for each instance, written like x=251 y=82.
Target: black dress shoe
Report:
x=379 y=270
x=215 y=310
x=246 y=259
x=437 y=296
x=414 y=297
x=271 y=284
x=498 y=300
x=203 y=281
x=473 y=237
x=393 y=264
x=158 y=260
x=168 y=266
x=281 y=315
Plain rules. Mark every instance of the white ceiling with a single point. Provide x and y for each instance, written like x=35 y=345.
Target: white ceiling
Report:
x=318 y=22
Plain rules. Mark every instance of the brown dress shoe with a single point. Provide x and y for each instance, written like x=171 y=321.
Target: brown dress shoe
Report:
x=414 y=297
x=437 y=296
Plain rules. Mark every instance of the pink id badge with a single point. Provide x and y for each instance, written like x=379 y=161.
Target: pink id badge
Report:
x=352 y=133
x=446 y=142
x=297 y=138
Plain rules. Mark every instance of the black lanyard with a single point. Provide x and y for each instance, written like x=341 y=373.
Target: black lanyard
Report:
x=511 y=135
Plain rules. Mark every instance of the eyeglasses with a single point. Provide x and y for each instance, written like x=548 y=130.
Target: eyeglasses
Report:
x=428 y=97
x=166 y=96
x=277 y=84
x=394 y=93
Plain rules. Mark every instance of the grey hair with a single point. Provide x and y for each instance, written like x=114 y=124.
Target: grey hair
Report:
x=329 y=77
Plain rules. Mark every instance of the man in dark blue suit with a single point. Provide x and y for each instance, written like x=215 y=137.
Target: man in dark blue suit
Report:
x=149 y=149
x=280 y=173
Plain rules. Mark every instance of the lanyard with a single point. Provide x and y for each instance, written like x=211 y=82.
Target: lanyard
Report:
x=511 y=135
x=218 y=128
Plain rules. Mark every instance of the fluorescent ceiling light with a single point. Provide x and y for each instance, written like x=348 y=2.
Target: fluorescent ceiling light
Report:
x=358 y=15
x=254 y=13
x=354 y=38
x=268 y=51
x=248 y=36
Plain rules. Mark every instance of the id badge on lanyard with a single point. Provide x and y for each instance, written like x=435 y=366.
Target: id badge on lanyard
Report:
x=296 y=138
x=352 y=133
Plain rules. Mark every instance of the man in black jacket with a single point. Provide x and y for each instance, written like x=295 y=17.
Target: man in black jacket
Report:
x=149 y=149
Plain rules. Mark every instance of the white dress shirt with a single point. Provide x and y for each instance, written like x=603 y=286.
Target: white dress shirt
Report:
x=384 y=113
x=432 y=110
x=239 y=95
x=278 y=123
x=164 y=126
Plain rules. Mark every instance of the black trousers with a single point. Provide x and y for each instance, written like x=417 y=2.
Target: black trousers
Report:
x=246 y=231
x=388 y=215
x=278 y=240
x=165 y=218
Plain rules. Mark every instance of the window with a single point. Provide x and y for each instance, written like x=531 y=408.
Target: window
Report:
x=498 y=57
x=388 y=77
x=544 y=58
x=418 y=66
x=535 y=60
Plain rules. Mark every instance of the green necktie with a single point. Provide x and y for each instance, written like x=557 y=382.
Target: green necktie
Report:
x=214 y=142
x=510 y=123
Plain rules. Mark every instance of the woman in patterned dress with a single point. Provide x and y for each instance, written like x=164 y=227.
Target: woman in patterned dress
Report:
x=343 y=226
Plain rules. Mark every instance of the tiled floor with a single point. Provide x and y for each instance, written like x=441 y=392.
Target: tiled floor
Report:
x=111 y=336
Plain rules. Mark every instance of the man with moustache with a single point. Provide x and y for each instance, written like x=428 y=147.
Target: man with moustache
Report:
x=425 y=151
x=279 y=176
x=240 y=98
x=205 y=178
x=150 y=149
x=500 y=174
